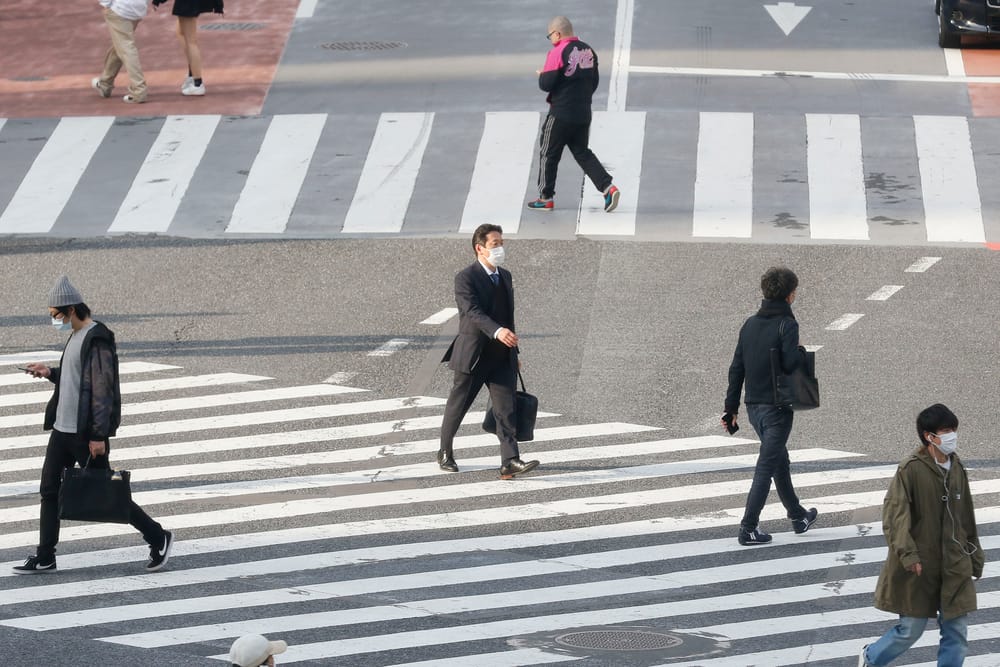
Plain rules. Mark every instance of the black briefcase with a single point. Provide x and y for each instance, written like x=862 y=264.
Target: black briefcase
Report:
x=95 y=494
x=525 y=414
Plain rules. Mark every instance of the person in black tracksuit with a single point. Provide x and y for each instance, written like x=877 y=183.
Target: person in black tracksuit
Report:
x=773 y=327
x=570 y=77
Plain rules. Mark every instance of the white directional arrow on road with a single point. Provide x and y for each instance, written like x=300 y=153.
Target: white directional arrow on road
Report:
x=787 y=15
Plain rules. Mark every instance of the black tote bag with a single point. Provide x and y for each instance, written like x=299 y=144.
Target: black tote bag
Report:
x=525 y=414
x=798 y=389
x=95 y=494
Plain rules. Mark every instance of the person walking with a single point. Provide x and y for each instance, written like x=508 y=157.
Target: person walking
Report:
x=83 y=414
x=570 y=77
x=122 y=18
x=187 y=12
x=484 y=351
x=772 y=327
x=929 y=524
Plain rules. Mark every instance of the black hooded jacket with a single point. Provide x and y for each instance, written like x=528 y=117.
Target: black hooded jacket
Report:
x=752 y=360
x=100 y=410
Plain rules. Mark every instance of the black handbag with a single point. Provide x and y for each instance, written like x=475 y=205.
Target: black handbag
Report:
x=95 y=494
x=525 y=414
x=798 y=389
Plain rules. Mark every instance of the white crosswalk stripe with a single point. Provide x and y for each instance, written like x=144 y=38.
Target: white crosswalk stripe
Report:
x=345 y=539
x=739 y=190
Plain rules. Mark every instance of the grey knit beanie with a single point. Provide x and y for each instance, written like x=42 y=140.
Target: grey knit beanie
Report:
x=64 y=294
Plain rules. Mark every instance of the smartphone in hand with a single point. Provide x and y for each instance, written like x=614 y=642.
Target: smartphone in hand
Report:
x=731 y=425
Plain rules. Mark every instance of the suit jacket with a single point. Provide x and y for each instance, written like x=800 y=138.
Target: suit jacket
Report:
x=474 y=296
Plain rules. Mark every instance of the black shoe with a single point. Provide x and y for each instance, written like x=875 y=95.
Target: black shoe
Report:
x=806 y=522
x=446 y=462
x=516 y=467
x=158 y=556
x=33 y=565
x=755 y=536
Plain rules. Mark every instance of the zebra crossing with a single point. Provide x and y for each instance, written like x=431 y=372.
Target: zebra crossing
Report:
x=767 y=178
x=315 y=514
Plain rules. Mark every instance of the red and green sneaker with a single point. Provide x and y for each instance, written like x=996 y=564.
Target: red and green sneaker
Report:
x=541 y=204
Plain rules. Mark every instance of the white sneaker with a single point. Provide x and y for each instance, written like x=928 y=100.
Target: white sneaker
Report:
x=193 y=90
x=188 y=81
x=95 y=83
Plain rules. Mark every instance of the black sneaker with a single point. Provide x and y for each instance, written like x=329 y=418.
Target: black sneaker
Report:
x=755 y=536
x=33 y=565
x=806 y=522
x=158 y=556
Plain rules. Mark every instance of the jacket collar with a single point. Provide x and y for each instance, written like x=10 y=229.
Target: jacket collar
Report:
x=770 y=308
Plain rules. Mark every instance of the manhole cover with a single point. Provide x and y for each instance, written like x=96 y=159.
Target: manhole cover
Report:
x=362 y=46
x=619 y=640
x=231 y=26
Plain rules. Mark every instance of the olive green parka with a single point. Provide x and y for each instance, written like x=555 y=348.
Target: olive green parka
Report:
x=919 y=527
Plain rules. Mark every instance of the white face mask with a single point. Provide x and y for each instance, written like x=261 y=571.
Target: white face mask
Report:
x=949 y=443
x=497 y=256
x=62 y=325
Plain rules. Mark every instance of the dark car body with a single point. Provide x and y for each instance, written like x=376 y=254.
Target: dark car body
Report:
x=966 y=17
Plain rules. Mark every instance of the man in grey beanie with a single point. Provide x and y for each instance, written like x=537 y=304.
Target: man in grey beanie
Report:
x=83 y=414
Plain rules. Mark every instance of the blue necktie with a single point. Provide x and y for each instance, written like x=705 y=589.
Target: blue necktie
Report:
x=495 y=277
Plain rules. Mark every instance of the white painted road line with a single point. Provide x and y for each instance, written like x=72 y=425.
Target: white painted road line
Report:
x=813 y=348
x=838 y=206
x=306 y=9
x=124 y=368
x=844 y=321
x=441 y=316
x=816 y=75
x=165 y=174
x=922 y=265
x=248 y=419
x=313 y=506
x=953 y=211
x=390 y=173
x=953 y=62
x=54 y=175
x=723 y=187
x=621 y=57
x=617 y=139
x=129 y=388
x=21 y=358
x=502 y=172
x=521 y=657
x=273 y=184
x=883 y=293
x=341 y=377
x=390 y=347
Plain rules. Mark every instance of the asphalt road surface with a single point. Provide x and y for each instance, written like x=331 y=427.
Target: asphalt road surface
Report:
x=280 y=322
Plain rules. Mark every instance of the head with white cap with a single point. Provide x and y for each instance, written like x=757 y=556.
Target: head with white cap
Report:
x=255 y=651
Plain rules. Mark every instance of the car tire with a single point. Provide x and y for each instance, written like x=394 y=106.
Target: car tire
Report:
x=947 y=38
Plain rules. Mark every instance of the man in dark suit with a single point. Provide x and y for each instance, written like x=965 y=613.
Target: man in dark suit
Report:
x=484 y=351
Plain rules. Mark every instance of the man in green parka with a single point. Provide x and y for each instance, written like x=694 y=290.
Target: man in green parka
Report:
x=934 y=551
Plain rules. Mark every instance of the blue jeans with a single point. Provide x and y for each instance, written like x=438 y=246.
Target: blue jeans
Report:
x=773 y=424
x=951 y=650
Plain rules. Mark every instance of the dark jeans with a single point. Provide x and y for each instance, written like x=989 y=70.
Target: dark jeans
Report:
x=556 y=135
x=65 y=449
x=499 y=376
x=773 y=425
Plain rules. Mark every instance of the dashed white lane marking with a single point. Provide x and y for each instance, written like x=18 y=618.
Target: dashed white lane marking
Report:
x=340 y=377
x=922 y=265
x=844 y=321
x=390 y=347
x=883 y=293
x=441 y=316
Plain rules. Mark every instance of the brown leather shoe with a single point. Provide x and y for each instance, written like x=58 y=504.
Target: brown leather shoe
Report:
x=516 y=467
x=446 y=462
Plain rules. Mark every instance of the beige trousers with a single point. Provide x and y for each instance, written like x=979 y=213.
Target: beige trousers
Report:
x=123 y=51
